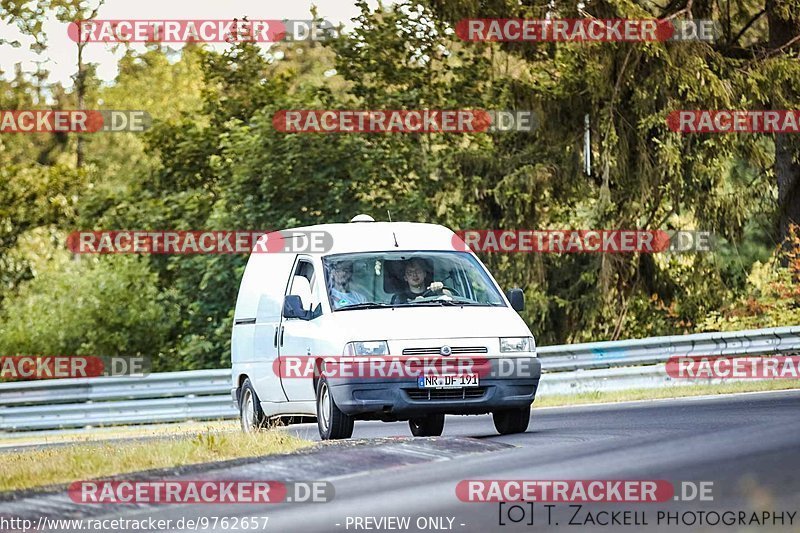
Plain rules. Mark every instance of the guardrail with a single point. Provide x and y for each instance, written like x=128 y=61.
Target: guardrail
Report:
x=205 y=394
x=104 y=401
x=654 y=350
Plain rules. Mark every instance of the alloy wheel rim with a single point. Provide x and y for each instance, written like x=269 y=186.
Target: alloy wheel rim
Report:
x=248 y=413
x=325 y=406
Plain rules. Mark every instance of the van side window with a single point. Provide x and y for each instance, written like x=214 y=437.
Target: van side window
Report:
x=304 y=285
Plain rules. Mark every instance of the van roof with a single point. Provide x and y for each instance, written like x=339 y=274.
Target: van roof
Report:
x=354 y=237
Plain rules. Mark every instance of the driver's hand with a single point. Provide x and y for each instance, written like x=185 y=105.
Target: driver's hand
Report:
x=436 y=286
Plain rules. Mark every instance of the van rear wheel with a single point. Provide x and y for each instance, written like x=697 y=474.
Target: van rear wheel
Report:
x=251 y=417
x=331 y=421
x=427 y=426
x=510 y=421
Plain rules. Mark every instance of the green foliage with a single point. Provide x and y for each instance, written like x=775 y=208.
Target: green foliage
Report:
x=31 y=197
x=771 y=297
x=90 y=306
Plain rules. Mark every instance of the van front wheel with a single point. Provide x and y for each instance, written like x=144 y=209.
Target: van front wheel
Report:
x=510 y=421
x=427 y=426
x=331 y=421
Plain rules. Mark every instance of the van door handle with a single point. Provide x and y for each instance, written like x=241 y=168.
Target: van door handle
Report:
x=275 y=340
x=282 y=328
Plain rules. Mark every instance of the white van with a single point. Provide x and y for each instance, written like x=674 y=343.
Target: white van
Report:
x=379 y=290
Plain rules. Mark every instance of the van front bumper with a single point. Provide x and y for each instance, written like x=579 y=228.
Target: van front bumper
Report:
x=402 y=398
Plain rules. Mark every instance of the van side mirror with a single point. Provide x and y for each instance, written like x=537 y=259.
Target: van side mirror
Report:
x=293 y=307
x=517 y=299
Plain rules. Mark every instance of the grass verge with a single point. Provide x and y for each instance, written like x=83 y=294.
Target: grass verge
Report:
x=64 y=464
x=107 y=433
x=678 y=391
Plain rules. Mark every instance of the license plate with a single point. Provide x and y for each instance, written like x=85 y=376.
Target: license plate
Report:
x=438 y=381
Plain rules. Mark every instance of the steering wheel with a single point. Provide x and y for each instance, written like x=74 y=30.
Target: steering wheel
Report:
x=429 y=292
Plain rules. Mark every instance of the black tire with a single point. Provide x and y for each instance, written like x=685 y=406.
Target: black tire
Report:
x=427 y=426
x=251 y=416
x=332 y=422
x=510 y=421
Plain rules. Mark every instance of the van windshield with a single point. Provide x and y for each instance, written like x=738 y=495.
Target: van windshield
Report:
x=400 y=279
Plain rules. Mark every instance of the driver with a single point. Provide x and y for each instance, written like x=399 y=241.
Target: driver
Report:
x=414 y=275
x=341 y=274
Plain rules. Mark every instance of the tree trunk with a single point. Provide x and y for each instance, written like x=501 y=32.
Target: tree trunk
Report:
x=787 y=168
x=80 y=88
x=787 y=172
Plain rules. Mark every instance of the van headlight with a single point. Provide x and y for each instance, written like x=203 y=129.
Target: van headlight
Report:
x=367 y=348
x=517 y=344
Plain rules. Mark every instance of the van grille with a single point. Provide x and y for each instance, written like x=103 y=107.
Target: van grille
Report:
x=466 y=393
x=436 y=350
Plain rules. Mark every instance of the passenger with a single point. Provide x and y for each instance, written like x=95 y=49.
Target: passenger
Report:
x=341 y=274
x=414 y=275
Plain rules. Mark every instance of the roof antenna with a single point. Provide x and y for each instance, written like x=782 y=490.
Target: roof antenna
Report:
x=393 y=235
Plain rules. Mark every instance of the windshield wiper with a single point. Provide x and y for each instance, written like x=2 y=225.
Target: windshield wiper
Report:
x=366 y=305
x=454 y=302
x=459 y=303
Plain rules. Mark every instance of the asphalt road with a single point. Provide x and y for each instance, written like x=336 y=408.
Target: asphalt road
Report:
x=746 y=445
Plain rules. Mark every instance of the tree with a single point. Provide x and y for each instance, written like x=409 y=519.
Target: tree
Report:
x=103 y=306
x=781 y=60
